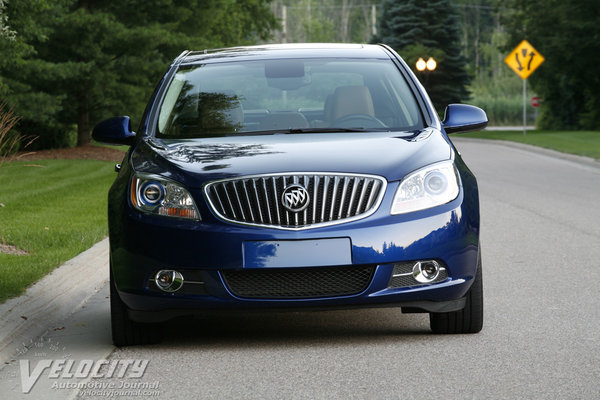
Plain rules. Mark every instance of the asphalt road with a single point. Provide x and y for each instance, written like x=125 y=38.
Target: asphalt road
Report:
x=541 y=337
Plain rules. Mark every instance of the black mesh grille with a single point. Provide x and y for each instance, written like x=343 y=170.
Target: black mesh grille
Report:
x=298 y=283
x=257 y=200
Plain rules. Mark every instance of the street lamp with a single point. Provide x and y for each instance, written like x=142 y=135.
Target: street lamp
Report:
x=430 y=65
x=426 y=67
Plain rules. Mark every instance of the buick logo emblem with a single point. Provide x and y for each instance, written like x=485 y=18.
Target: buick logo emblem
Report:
x=295 y=198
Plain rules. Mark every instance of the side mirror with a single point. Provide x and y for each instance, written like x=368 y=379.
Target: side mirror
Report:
x=115 y=130
x=464 y=118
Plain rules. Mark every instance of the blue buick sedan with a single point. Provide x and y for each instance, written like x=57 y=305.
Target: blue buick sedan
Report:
x=292 y=177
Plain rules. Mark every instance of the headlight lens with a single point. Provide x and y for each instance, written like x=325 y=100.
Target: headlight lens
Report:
x=428 y=187
x=156 y=195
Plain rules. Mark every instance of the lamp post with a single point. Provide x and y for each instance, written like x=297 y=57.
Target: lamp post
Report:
x=426 y=67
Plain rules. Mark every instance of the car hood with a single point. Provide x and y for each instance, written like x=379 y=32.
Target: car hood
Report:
x=196 y=161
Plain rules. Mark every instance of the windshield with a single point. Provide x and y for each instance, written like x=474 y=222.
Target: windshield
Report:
x=291 y=95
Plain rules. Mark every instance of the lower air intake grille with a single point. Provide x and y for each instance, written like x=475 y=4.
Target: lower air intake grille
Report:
x=298 y=283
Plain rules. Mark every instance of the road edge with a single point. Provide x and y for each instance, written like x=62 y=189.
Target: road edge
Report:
x=534 y=149
x=52 y=299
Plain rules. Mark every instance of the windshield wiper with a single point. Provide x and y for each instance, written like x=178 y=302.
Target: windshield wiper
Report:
x=329 y=130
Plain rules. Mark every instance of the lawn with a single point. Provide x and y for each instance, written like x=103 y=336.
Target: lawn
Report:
x=53 y=210
x=583 y=143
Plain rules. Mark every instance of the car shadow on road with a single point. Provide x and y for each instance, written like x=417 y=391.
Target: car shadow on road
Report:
x=260 y=328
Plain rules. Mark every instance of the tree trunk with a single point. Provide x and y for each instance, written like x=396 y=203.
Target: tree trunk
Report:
x=345 y=20
x=83 y=126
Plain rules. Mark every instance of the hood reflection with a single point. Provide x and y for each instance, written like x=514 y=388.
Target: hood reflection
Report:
x=211 y=154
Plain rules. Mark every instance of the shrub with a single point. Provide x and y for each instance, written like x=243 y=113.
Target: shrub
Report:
x=504 y=111
x=9 y=140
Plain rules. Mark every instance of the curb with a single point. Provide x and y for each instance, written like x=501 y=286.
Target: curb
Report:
x=52 y=299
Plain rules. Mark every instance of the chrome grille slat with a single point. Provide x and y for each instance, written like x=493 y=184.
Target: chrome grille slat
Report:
x=343 y=198
x=352 y=196
x=336 y=183
x=306 y=184
x=260 y=216
x=276 y=201
x=266 y=194
x=362 y=197
x=315 y=197
x=372 y=195
x=325 y=189
x=287 y=214
x=248 y=201
x=237 y=196
x=257 y=200
x=230 y=203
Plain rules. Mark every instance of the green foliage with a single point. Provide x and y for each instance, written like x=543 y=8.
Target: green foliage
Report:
x=310 y=21
x=504 y=111
x=76 y=62
x=567 y=33
x=431 y=27
x=501 y=98
x=5 y=31
x=18 y=67
x=68 y=200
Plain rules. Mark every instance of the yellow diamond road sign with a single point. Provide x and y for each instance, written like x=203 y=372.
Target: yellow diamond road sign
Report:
x=524 y=59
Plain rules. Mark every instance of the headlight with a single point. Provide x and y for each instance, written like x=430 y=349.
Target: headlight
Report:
x=156 y=195
x=428 y=187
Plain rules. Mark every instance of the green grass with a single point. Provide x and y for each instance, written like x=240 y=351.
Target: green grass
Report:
x=53 y=210
x=583 y=143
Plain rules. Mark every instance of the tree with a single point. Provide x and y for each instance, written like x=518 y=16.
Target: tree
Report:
x=19 y=69
x=5 y=31
x=421 y=28
x=324 y=20
x=97 y=59
x=566 y=33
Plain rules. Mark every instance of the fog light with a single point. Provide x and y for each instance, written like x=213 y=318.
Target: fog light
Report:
x=168 y=280
x=426 y=271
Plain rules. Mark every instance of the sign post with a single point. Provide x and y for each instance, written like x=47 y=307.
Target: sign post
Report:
x=523 y=60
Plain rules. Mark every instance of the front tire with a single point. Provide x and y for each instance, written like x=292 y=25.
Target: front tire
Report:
x=126 y=332
x=467 y=320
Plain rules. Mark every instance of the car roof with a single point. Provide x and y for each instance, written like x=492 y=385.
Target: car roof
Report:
x=284 y=51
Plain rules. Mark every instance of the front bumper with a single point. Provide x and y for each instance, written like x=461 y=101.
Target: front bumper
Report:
x=142 y=244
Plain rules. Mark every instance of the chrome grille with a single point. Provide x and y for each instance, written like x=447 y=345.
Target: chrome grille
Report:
x=333 y=198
